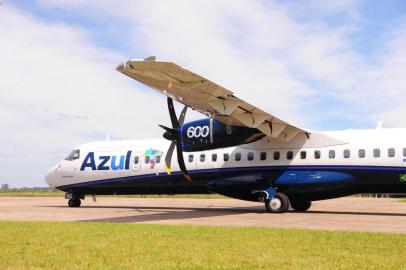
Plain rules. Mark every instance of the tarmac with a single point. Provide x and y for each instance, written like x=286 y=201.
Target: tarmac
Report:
x=347 y=214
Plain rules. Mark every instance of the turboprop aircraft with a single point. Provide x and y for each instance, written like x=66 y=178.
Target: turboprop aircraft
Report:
x=237 y=150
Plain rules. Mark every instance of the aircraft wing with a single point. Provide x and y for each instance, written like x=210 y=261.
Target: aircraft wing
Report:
x=207 y=97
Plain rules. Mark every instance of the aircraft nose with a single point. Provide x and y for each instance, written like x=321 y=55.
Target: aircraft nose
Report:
x=49 y=177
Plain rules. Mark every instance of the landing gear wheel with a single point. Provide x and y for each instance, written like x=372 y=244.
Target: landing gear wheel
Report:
x=74 y=203
x=300 y=205
x=278 y=204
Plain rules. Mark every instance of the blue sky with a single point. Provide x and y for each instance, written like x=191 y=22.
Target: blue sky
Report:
x=323 y=65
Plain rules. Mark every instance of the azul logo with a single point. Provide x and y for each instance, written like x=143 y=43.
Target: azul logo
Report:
x=153 y=156
x=106 y=162
x=403 y=178
x=198 y=131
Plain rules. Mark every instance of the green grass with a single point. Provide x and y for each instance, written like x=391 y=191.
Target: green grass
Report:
x=52 y=245
x=31 y=193
x=57 y=193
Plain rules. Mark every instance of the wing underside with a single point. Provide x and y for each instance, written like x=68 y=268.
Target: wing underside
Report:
x=207 y=97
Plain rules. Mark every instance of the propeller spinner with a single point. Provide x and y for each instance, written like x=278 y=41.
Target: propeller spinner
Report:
x=173 y=134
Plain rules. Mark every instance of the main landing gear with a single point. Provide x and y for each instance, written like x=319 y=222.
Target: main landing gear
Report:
x=74 y=200
x=278 y=202
x=300 y=205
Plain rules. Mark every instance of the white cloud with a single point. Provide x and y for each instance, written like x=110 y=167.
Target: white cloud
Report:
x=61 y=89
x=386 y=87
x=257 y=49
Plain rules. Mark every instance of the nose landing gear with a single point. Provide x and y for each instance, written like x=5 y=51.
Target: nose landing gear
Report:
x=74 y=203
x=74 y=199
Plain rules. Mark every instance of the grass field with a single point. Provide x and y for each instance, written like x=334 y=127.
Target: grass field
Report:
x=31 y=193
x=46 y=245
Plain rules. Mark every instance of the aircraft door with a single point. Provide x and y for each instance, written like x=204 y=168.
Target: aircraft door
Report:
x=136 y=161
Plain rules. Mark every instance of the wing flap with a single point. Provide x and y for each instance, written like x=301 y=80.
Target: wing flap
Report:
x=207 y=97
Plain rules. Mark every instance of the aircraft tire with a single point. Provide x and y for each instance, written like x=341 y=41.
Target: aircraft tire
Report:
x=301 y=205
x=278 y=204
x=74 y=203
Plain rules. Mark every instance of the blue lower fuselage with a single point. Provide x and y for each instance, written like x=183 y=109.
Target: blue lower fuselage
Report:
x=304 y=182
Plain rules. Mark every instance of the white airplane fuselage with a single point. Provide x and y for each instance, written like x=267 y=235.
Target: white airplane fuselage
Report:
x=355 y=161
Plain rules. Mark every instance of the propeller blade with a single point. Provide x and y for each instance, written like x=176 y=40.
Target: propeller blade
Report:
x=172 y=114
x=182 y=116
x=168 y=157
x=173 y=134
x=166 y=128
x=181 y=162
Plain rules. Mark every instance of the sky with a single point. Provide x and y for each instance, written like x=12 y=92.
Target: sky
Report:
x=320 y=64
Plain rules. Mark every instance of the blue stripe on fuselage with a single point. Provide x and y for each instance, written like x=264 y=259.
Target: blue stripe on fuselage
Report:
x=236 y=169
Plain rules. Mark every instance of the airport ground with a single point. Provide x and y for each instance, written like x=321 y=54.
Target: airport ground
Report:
x=346 y=233
x=355 y=214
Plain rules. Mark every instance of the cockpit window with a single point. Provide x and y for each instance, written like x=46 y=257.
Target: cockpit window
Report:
x=75 y=154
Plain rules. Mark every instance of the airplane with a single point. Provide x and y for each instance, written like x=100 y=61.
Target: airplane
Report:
x=237 y=150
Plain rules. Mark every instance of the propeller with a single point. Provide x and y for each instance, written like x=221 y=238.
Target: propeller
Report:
x=173 y=134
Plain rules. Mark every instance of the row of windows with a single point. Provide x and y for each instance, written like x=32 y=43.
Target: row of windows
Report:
x=346 y=153
x=332 y=154
x=226 y=157
x=289 y=155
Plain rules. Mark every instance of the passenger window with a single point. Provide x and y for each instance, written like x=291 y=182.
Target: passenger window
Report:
x=158 y=159
x=276 y=155
x=190 y=158
x=136 y=159
x=263 y=156
x=347 y=153
x=146 y=159
x=202 y=157
x=377 y=152
x=331 y=154
x=404 y=152
x=317 y=154
x=237 y=156
x=226 y=156
x=391 y=152
x=214 y=157
x=289 y=155
x=250 y=156
x=303 y=155
x=361 y=153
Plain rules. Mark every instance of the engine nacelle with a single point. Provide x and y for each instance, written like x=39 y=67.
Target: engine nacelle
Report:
x=207 y=134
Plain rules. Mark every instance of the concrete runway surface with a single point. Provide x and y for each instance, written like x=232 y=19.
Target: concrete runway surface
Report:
x=353 y=214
